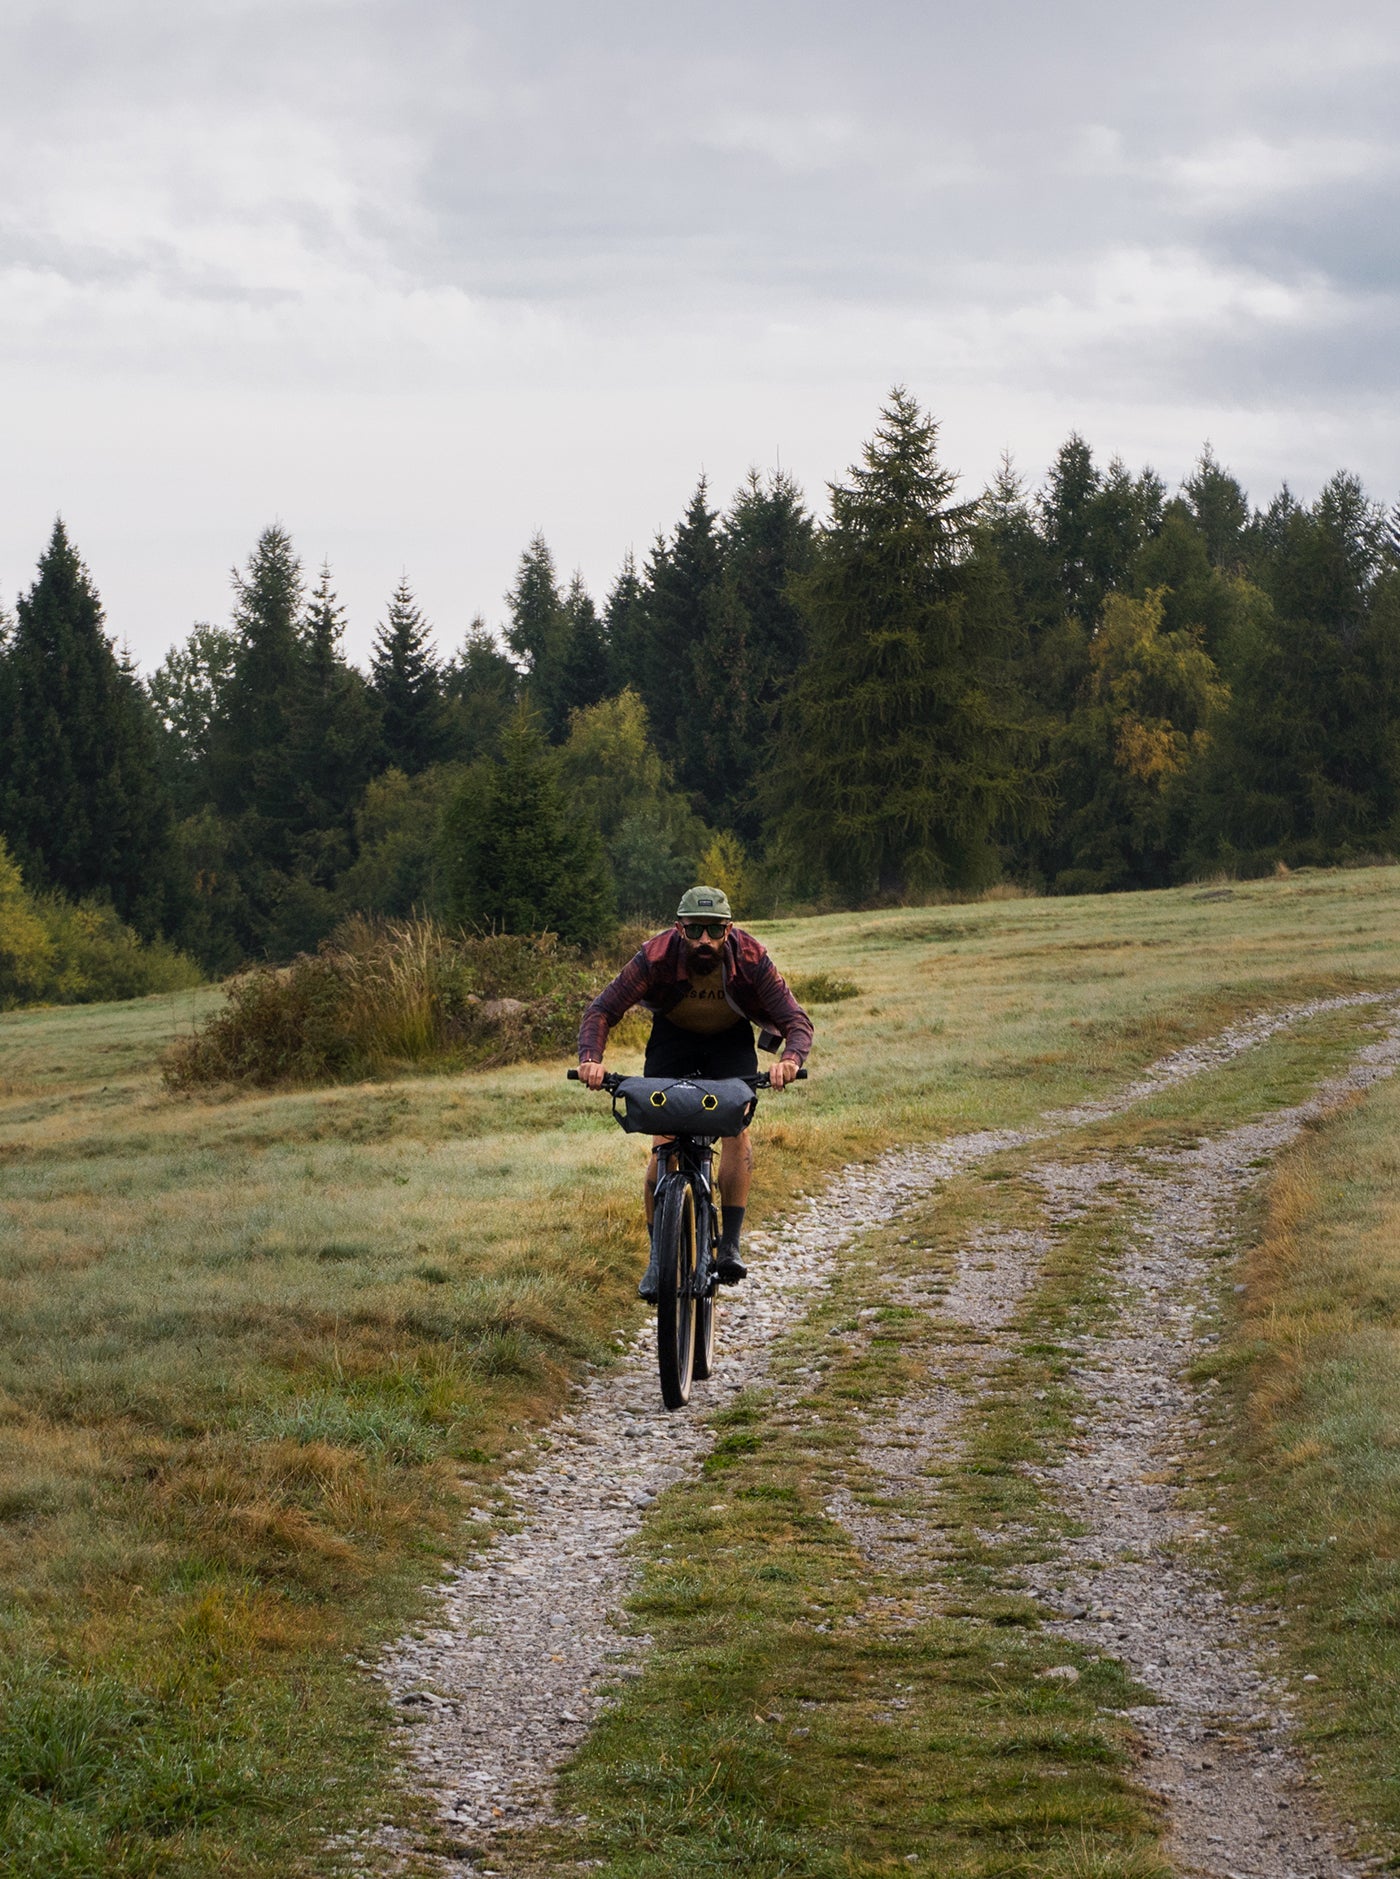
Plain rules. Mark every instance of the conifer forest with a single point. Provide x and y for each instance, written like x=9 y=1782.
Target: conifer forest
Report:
x=1094 y=684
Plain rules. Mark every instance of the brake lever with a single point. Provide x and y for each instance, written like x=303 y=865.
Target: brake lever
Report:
x=764 y=1080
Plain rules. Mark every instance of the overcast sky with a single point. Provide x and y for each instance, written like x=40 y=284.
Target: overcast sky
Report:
x=418 y=277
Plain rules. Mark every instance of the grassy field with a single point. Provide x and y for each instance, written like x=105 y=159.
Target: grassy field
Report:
x=1315 y=1370
x=260 y=1353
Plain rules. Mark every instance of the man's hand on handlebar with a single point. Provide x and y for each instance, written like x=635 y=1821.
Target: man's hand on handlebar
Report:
x=592 y=1074
x=782 y=1072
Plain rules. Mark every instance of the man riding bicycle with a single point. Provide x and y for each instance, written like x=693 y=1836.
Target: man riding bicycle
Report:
x=706 y=983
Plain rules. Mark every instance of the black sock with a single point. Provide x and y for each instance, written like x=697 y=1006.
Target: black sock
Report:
x=733 y=1221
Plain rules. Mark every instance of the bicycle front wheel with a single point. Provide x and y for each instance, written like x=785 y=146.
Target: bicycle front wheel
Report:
x=675 y=1304
x=706 y=1308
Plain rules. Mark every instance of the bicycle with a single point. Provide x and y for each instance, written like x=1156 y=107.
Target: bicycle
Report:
x=685 y=1222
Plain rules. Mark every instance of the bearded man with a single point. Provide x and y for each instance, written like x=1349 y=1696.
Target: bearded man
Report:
x=707 y=983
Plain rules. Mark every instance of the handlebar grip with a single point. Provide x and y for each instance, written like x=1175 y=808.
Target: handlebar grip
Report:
x=801 y=1076
x=611 y=1079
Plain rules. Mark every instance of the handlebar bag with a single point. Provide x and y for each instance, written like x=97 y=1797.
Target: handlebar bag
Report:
x=675 y=1106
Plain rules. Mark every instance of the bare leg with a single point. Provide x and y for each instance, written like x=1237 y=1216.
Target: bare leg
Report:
x=660 y=1144
x=735 y=1173
x=735 y=1170
x=649 y=1181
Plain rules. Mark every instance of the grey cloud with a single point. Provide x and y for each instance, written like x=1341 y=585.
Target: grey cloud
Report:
x=342 y=215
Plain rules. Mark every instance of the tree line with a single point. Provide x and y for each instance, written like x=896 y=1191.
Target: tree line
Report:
x=1087 y=686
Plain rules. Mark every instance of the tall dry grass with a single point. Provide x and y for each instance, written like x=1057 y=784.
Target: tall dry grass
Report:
x=381 y=996
x=63 y=952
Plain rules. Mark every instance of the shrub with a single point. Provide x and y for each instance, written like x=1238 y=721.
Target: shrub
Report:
x=53 y=951
x=98 y=958
x=820 y=988
x=26 y=950
x=379 y=996
x=626 y=941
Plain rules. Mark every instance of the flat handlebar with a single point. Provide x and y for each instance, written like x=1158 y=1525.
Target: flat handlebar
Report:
x=611 y=1079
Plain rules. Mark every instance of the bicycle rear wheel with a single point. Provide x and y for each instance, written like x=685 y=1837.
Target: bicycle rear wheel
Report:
x=675 y=1304
x=707 y=1308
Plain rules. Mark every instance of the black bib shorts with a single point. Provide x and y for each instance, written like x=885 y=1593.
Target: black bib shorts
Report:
x=672 y=1052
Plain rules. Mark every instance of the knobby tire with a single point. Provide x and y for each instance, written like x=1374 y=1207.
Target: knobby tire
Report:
x=706 y=1309
x=675 y=1304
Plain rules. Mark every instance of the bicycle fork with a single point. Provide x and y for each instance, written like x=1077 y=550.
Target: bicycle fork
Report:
x=697 y=1171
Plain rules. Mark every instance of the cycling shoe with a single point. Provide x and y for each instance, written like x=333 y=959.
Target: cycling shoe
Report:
x=704 y=1281
x=731 y=1269
x=650 y=1286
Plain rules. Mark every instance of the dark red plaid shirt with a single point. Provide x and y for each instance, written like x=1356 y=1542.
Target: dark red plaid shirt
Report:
x=656 y=978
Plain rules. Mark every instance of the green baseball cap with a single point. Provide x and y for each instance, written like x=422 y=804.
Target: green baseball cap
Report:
x=704 y=903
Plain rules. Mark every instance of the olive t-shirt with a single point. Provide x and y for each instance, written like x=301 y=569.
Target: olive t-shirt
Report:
x=704 y=1006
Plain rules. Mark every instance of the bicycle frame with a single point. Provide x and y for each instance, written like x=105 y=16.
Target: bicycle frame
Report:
x=693 y=1157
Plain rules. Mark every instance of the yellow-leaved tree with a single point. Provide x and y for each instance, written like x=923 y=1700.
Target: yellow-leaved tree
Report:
x=725 y=865
x=26 y=950
x=1135 y=745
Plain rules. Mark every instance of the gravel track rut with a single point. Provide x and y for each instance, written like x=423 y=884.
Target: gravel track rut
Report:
x=528 y=1637
x=1137 y=1582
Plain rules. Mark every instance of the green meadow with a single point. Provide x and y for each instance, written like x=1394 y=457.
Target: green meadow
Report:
x=261 y=1353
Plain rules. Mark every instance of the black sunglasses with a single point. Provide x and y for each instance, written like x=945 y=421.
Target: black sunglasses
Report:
x=704 y=929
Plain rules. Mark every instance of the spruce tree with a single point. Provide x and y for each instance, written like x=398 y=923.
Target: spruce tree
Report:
x=82 y=801
x=1267 y=537
x=538 y=634
x=1067 y=525
x=1219 y=506
x=1094 y=523
x=1390 y=543
x=682 y=584
x=585 y=676
x=407 y=685
x=902 y=752
x=481 y=686
x=1306 y=767
x=625 y=626
x=769 y=543
x=335 y=736
x=1329 y=556
x=722 y=729
x=252 y=766
x=1054 y=656
x=517 y=858
x=1007 y=529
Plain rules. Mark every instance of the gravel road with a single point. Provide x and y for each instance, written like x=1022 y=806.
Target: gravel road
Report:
x=528 y=1636
x=1138 y=1583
